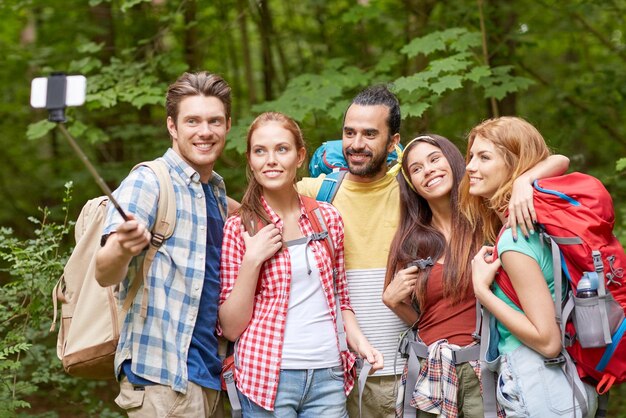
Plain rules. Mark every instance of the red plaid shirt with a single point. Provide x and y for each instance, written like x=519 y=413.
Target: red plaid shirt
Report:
x=259 y=349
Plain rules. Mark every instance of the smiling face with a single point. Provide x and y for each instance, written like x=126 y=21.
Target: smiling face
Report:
x=274 y=157
x=429 y=171
x=486 y=168
x=366 y=141
x=199 y=132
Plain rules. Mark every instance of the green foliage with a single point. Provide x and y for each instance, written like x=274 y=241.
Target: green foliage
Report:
x=29 y=367
x=453 y=61
x=558 y=64
x=24 y=300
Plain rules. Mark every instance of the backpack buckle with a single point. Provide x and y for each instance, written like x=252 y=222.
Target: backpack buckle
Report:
x=421 y=263
x=319 y=236
x=157 y=240
x=554 y=361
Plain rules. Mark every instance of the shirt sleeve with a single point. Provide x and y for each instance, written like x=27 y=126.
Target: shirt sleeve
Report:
x=309 y=186
x=138 y=194
x=529 y=248
x=233 y=250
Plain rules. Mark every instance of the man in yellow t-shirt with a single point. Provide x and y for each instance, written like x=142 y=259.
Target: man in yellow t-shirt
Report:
x=368 y=202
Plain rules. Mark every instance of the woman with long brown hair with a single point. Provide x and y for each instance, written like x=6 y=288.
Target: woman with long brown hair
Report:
x=428 y=281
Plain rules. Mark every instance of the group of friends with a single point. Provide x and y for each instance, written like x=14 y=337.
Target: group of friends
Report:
x=258 y=274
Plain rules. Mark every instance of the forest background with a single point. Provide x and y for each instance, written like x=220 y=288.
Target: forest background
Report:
x=561 y=65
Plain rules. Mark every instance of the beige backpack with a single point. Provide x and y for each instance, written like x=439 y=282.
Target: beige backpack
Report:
x=90 y=321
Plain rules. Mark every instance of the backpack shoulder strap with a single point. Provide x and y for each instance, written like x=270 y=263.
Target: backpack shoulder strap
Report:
x=330 y=186
x=319 y=224
x=503 y=279
x=163 y=228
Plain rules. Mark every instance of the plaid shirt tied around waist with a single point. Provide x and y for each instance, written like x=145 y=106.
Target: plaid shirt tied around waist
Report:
x=259 y=348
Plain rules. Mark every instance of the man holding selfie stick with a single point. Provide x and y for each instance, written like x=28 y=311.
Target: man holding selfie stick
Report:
x=166 y=359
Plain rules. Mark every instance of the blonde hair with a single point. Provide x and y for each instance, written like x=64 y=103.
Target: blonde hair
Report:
x=522 y=147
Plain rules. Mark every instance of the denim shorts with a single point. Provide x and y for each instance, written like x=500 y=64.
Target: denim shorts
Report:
x=310 y=393
x=527 y=387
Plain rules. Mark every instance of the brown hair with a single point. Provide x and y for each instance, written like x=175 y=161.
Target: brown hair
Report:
x=416 y=236
x=196 y=84
x=251 y=210
x=522 y=147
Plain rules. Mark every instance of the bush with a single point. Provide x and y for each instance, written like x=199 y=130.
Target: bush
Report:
x=32 y=380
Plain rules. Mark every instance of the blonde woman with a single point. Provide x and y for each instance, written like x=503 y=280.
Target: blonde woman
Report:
x=531 y=381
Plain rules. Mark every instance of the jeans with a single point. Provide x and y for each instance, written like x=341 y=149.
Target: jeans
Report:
x=310 y=393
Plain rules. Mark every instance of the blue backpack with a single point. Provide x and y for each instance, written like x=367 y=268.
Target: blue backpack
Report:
x=328 y=159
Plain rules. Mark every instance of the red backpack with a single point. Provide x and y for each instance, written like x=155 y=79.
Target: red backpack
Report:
x=575 y=215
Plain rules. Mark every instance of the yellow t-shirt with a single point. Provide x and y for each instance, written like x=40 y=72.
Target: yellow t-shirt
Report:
x=370 y=213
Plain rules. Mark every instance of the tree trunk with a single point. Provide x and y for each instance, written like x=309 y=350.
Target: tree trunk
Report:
x=190 y=45
x=501 y=22
x=230 y=45
x=419 y=12
x=264 y=24
x=245 y=50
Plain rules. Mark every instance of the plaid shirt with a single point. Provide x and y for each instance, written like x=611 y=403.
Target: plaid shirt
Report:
x=259 y=348
x=437 y=383
x=159 y=343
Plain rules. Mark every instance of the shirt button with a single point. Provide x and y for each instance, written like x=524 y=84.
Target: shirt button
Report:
x=202 y=228
x=199 y=196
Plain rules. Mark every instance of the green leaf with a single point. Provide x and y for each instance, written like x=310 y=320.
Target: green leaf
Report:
x=85 y=65
x=620 y=165
x=414 y=82
x=466 y=41
x=448 y=82
x=477 y=73
x=438 y=41
x=451 y=64
x=38 y=129
x=128 y=4
x=424 y=45
x=414 y=109
x=77 y=129
x=506 y=84
x=90 y=47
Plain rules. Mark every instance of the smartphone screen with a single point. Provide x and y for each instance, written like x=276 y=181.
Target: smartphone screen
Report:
x=75 y=90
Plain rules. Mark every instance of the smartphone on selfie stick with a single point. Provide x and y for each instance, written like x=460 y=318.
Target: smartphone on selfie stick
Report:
x=55 y=93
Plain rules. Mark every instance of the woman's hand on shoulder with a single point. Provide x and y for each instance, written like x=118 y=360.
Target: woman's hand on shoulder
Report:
x=484 y=269
x=263 y=245
x=401 y=287
x=521 y=207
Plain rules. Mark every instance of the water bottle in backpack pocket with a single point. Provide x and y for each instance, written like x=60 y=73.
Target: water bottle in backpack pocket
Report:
x=589 y=318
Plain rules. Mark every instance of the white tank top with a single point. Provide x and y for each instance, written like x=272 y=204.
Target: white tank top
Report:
x=310 y=341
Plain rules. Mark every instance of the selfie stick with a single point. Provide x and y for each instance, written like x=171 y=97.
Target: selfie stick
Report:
x=55 y=104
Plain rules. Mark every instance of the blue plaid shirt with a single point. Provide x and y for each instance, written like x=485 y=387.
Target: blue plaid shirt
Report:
x=158 y=344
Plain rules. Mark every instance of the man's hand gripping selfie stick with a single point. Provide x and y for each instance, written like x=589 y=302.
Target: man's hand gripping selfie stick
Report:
x=55 y=104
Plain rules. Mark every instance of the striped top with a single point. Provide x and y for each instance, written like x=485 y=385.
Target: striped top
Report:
x=379 y=324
